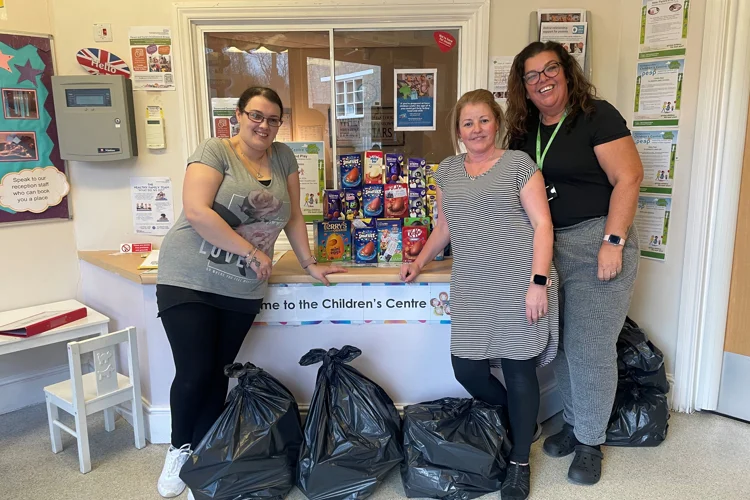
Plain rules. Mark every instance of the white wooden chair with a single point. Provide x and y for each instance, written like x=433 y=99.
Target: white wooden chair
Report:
x=102 y=390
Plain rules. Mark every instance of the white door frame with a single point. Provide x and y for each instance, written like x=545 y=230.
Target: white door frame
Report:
x=714 y=197
x=193 y=19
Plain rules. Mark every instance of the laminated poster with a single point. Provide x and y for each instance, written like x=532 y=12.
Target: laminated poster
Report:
x=658 y=152
x=664 y=28
x=500 y=67
x=311 y=162
x=152 y=58
x=152 y=204
x=414 y=93
x=572 y=36
x=652 y=221
x=658 y=92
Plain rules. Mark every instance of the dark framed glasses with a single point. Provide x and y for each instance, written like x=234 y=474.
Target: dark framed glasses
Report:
x=551 y=70
x=256 y=117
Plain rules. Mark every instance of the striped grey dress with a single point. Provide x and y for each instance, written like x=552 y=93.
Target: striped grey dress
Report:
x=492 y=241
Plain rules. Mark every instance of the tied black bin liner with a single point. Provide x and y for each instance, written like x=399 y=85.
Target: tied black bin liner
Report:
x=455 y=449
x=640 y=414
x=352 y=433
x=251 y=451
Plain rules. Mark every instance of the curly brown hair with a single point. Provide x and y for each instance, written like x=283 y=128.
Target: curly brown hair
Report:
x=581 y=92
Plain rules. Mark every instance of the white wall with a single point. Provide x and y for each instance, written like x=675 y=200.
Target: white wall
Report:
x=39 y=263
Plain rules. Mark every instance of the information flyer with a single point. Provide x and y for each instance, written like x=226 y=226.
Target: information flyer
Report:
x=652 y=221
x=658 y=91
x=658 y=152
x=560 y=15
x=572 y=36
x=311 y=177
x=152 y=58
x=224 y=117
x=500 y=67
x=664 y=28
x=152 y=204
x=414 y=94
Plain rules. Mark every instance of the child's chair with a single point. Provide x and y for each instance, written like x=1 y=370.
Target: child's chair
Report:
x=103 y=389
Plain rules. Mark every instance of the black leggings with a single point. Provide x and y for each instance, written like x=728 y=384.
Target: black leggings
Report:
x=521 y=397
x=204 y=339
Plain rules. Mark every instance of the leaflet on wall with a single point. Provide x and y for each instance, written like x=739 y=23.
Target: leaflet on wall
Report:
x=224 y=117
x=658 y=152
x=658 y=92
x=414 y=94
x=152 y=58
x=572 y=36
x=311 y=162
x=652 y=221
x=152 y=203
x=560 y=15
x=499 y=71
x=664 y=28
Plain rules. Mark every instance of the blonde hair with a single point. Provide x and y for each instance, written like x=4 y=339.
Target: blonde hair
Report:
x=479 y=96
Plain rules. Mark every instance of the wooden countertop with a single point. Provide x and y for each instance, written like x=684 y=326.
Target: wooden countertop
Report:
x=286 y=270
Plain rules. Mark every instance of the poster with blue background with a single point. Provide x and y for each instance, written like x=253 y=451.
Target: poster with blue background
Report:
x=414 y=95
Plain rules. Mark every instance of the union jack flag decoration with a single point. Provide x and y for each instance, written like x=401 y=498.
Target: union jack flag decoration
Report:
x=102 y=62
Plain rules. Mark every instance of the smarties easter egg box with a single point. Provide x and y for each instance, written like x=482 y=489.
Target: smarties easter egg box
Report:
x=365 y=246
x=351 y=170
x=333 y=241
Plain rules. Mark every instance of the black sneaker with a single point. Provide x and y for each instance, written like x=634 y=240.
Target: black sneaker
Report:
x=561 y=444
x=517 y=483
x=586 y=468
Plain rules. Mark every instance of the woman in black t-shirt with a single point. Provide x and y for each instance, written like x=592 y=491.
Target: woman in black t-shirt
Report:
x=593 y=174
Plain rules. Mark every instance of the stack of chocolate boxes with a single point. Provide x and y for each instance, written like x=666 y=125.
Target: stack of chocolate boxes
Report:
x=383 y=213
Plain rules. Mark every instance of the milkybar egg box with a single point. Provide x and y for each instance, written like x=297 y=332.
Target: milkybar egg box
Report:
x=365 y=249
x=374 y=167
x=350 y=166
x=333 y=241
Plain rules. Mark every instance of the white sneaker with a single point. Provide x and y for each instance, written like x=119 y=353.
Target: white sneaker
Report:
x=170 y=485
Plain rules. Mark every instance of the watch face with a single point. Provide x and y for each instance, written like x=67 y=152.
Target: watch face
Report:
x=540 y=280
x=614 y=239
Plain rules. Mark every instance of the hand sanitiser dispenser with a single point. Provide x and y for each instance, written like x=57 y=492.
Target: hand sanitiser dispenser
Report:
x=95 y=118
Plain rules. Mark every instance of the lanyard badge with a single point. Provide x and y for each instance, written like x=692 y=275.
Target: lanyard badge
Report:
x=539 y=154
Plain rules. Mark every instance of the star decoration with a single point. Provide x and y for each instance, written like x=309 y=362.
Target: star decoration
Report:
x=28 y=74
x=4 y=58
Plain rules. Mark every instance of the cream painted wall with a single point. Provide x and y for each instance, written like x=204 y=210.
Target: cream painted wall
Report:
x=614 y=29
x=40 y=261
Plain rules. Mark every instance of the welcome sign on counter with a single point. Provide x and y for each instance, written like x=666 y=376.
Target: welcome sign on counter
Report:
x=302 y=304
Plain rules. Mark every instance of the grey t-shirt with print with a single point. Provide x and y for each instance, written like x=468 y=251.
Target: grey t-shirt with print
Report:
x=256 y=212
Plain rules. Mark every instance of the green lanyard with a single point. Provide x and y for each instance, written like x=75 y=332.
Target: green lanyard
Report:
x=539 y=155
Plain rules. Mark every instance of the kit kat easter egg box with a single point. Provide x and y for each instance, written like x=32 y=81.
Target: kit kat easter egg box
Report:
x=396 y=201
x=389 y=241
x=333 y=204
x=365 y=249
x=350 y=166
x=333 y=241
x=373 y=200
x=395 y=172
x=374 y=167
x=416 y=169
x=353 y=203
x=414 y=237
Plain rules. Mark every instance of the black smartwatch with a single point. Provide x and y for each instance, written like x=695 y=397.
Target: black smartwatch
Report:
x=539 y=279
x=613 y=239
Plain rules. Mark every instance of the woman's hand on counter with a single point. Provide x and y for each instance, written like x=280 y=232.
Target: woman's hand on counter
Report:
x=409 y=271
x=320 y=272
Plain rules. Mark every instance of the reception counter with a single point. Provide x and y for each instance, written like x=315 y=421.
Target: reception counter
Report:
x=403 y=330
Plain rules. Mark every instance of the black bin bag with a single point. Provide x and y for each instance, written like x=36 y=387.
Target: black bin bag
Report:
x=638 y=360
x=456 y=449
x=639 y=417
x=352 y=432
x=251 y=451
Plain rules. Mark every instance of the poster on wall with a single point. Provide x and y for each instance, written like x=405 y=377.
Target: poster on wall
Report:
x=414 y=94
x=664 y=28
x=152 y=58
x=658 y=92
x=102 y=62
x=311 y=161
x=658 y=152
x=33 y=181
x=560 y=15
x=572 y=37
x=652 y=221
x=152 y=204
x=500 y=67
x=224 y=117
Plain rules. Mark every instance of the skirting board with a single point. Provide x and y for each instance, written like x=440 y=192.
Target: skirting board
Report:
x=26 y=389
x=158 y=424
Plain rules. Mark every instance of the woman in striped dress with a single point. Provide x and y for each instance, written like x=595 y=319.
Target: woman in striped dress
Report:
x=492 y=207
